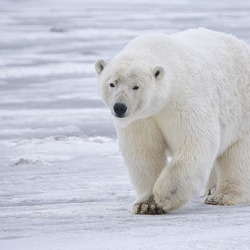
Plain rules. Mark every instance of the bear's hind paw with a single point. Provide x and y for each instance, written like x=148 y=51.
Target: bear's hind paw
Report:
x=148 y=207
x=225 y=199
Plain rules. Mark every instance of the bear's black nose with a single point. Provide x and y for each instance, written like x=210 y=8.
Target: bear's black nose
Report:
x=120 y=109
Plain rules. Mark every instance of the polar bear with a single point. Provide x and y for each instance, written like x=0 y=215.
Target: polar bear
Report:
x=186 y=93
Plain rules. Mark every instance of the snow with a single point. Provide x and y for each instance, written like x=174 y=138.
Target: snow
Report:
x=63 y=182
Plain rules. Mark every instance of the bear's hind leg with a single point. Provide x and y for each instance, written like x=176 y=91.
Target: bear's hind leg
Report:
x=234 y=175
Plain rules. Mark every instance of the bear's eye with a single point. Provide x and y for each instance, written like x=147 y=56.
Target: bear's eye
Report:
x=135 y=88
x=112 y=85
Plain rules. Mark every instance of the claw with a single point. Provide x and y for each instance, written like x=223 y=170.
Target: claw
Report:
x=211 y=201
x=149 y=207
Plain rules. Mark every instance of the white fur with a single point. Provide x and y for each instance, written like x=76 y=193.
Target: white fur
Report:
x=198 y=107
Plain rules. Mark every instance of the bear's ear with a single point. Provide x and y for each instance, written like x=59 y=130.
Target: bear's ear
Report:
x=100 y=65
x=158 y=72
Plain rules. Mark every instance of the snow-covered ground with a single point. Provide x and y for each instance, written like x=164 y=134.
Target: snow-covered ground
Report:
x=63 y=183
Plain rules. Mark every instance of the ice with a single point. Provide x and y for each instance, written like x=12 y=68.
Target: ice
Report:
x=63 y=182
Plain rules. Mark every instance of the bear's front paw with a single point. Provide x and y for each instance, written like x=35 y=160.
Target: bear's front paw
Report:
x=148 y=207
x=169 y=197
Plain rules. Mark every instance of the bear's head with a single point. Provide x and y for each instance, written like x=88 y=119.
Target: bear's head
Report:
x=131 y=90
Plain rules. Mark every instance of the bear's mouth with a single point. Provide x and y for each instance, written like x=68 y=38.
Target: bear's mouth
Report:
x=119 y=116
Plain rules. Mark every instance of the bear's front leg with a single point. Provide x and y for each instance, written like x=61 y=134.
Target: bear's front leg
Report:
x=193 y=135
x=144 y=152
x=182 y=179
